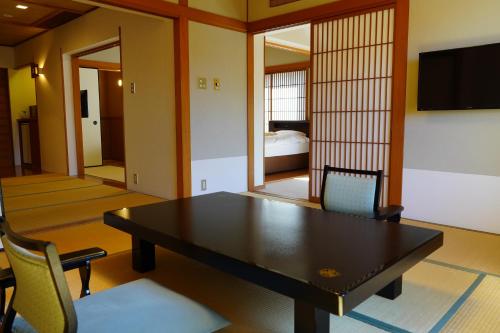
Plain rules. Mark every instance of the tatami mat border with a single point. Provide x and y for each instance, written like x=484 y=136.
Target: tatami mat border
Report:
x=454 y=308
x=70 y=202
x=53 y=191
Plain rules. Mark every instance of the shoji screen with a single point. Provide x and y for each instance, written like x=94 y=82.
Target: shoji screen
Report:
x=351 y=97
x=285 y=96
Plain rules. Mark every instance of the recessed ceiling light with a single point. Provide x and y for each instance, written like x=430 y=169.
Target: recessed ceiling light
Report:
x=22 y=7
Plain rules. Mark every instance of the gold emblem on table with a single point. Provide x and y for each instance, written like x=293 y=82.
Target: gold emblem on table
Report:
x=328 y=273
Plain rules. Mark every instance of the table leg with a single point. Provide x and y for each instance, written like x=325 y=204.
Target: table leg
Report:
x=309 y=319
x=393 y=289
x=143 y=255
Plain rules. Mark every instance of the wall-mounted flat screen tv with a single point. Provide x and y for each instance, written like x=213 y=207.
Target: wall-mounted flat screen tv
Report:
x=460 y=79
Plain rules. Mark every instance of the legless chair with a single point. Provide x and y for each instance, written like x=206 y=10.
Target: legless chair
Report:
x=43 y=304
x=344 y=191
x=73 y=260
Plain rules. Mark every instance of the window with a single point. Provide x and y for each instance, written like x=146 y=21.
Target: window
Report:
x=286 y=96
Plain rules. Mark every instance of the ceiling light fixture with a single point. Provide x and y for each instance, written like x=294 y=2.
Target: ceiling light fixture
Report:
x=21 y=7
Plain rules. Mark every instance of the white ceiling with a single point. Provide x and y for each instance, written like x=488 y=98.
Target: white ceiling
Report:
x=108 y=55
x=297 y=37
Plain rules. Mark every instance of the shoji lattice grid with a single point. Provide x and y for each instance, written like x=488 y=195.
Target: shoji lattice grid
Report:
x=285 y=96
x=351 y=97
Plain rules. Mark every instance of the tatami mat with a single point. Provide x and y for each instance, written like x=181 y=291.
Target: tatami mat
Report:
x=480 y=310
x=438 y=294
x=432 y=296
x=49 y=186
x=45 y=199
x=42 y=178
x=429 y=291
x=472 y=249
x=79 y=212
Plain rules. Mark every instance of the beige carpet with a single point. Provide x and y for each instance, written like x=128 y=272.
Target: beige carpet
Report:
x=107 y=172
x=293 y=188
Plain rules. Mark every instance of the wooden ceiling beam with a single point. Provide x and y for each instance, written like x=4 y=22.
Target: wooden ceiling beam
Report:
x=174 y=11
x=320 y=12
x=45 y=5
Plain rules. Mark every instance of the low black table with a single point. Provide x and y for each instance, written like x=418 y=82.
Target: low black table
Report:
x=326 y=262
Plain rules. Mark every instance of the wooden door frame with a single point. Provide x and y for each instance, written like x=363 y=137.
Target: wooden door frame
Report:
x=400 y=56
x=76 y=64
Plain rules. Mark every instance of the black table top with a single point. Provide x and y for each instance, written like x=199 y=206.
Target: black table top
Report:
x=290 y=240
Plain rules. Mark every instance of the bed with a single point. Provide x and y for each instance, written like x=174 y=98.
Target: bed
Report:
x=286 y=146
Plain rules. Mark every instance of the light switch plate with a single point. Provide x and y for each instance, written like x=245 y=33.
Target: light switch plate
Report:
x=202 y=83
x=217 y=84
x=132 y=88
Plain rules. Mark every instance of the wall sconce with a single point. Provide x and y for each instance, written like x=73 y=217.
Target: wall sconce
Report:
x=35 y=71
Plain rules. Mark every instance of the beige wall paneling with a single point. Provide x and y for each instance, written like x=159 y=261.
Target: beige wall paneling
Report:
x=236 y=9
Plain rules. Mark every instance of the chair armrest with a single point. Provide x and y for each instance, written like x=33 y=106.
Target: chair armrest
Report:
x=79 y=258
x=391 y=213
x=69 y=261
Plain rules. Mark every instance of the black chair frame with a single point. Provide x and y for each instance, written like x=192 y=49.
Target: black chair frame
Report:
x=390 y=213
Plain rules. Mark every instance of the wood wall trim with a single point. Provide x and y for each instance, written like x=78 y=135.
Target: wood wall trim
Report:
x=402 y=13
x=64 y=108
x=171 y=10
x=298 y=66
x=101 y=65
x=75 y=70
x=287 y=48
x=315 y=13
x=123 y=104
x=76 y=63
x=182 y=107
x=97 y=49
x=250 y=112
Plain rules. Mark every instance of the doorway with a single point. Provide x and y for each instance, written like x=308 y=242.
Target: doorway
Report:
x=100 y=113
x=286 y=112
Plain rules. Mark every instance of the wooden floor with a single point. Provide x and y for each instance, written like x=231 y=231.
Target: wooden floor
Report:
x=285 y=175
x=254 y=309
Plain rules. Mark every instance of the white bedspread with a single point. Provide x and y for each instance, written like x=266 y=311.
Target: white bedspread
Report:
x=282 y=143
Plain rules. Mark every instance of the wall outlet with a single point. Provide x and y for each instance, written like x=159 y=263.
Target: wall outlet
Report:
x=203 y=184
x=136 y=179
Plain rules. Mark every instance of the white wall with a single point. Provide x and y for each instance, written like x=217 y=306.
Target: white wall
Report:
x=451 y=151
x=218 y=117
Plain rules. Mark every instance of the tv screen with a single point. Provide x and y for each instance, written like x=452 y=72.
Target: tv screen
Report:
x=460 y=79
